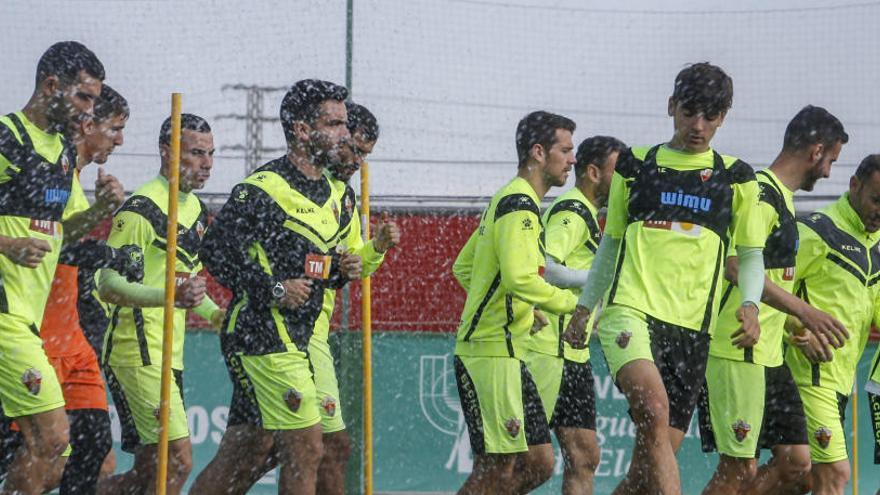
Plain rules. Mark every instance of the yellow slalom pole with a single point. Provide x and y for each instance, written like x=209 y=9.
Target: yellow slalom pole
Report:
x=366 y=317
x=170 y=265
x=855 y=437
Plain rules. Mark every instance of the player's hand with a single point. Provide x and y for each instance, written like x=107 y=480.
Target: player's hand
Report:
x=539 y=322
x=297 y=292
x=190 y=293
x=25 y=251
x=387 y=234
x=824 y=324
x=575 y=334
x=748 y=333
x=812 y=346
x=109 y=193
x=129 y=262
x=351 y=266
x=217 y=318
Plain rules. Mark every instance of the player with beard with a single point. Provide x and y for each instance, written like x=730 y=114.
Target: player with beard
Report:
x=838 y=266
x=274 y=245
x=132 y=354
x=753 y=402
x=564 y=375
x=37 y=168
x=500 y=267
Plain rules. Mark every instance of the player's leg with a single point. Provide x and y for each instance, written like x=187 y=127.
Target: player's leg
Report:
x=574 y=421
x=226 y=473
x=626 y=343
x=87 y=411
x=287 y=399
x=785 y=432
x=136 y=393
x=506 y=423
x=736 y=397
x=337 y=445
x=31 y=395
x=825 y=409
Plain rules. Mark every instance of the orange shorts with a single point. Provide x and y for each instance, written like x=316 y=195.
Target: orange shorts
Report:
x=81 y=381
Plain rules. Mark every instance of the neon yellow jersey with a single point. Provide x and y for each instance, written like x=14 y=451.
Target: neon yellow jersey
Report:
x=776 y=212
x=36 y=177
x=135 y=334
x=353 y=241
x=873 y=383
x=78 y=202
x=675 y=212
x=838 y=267
x=572 y=236
x=504 y=281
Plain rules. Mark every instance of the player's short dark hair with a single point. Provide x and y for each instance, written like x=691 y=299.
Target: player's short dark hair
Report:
x=66 y=59
x=360 y=119
x=110 y=103
x=813 y=125
x=703 y=87
x=868 y=166
x=302 y=102
x=187 y=121
x=539 y=128
x=596 y=150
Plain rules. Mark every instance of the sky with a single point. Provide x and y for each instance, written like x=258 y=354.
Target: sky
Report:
x=449 y=79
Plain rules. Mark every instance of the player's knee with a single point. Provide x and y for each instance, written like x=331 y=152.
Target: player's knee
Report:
x=651 y=415
x=181 y=453
x=581 y=460
x=838 y=473
x=796 y=470
x=541 y=464
x=53 y=442
x=337 y=447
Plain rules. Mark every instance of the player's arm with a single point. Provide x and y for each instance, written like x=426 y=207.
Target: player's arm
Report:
x=565 y=230
x=602 y=270
x=370 y=253
x=93 y=254
x=79 y=218
x=248 y=216
x=519 y=257
x=464 y=262
x=129 y=228
x=749 y=238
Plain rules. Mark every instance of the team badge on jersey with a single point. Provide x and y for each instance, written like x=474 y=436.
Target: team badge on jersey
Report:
x=349 y=206
x=741 y=429
x=329 y=406
x=788 y=273
x=513 y=426
x=623 y=339
x=527 y=224
x=293 y=398
x=706 y=174
x=32 y=379
x=65 y=163
x=200 y=229
x=823 y=436
x=335 y=210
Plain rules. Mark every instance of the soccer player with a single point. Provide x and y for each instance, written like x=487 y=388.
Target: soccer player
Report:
x=274 y=245
x=364 y=130
x=670 y=213
x=74 y=360
x=500 y=267
x=838 y=264
x=751 y=393
x=133 y=345
x=36 y=178
x=563 y=375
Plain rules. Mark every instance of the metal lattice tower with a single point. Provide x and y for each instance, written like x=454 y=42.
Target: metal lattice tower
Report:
x=254 y=119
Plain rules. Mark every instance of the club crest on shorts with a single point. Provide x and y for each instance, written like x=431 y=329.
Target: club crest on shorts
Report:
x=741 y=429
x=513 y=426
x=623 y=339
x=293 y=398
x=823 y=436
x=706 y=174
x=329 y=406
x=33 y=380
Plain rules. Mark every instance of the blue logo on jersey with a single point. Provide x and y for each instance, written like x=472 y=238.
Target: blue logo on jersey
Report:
x=56 y=196
x=679 y=198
